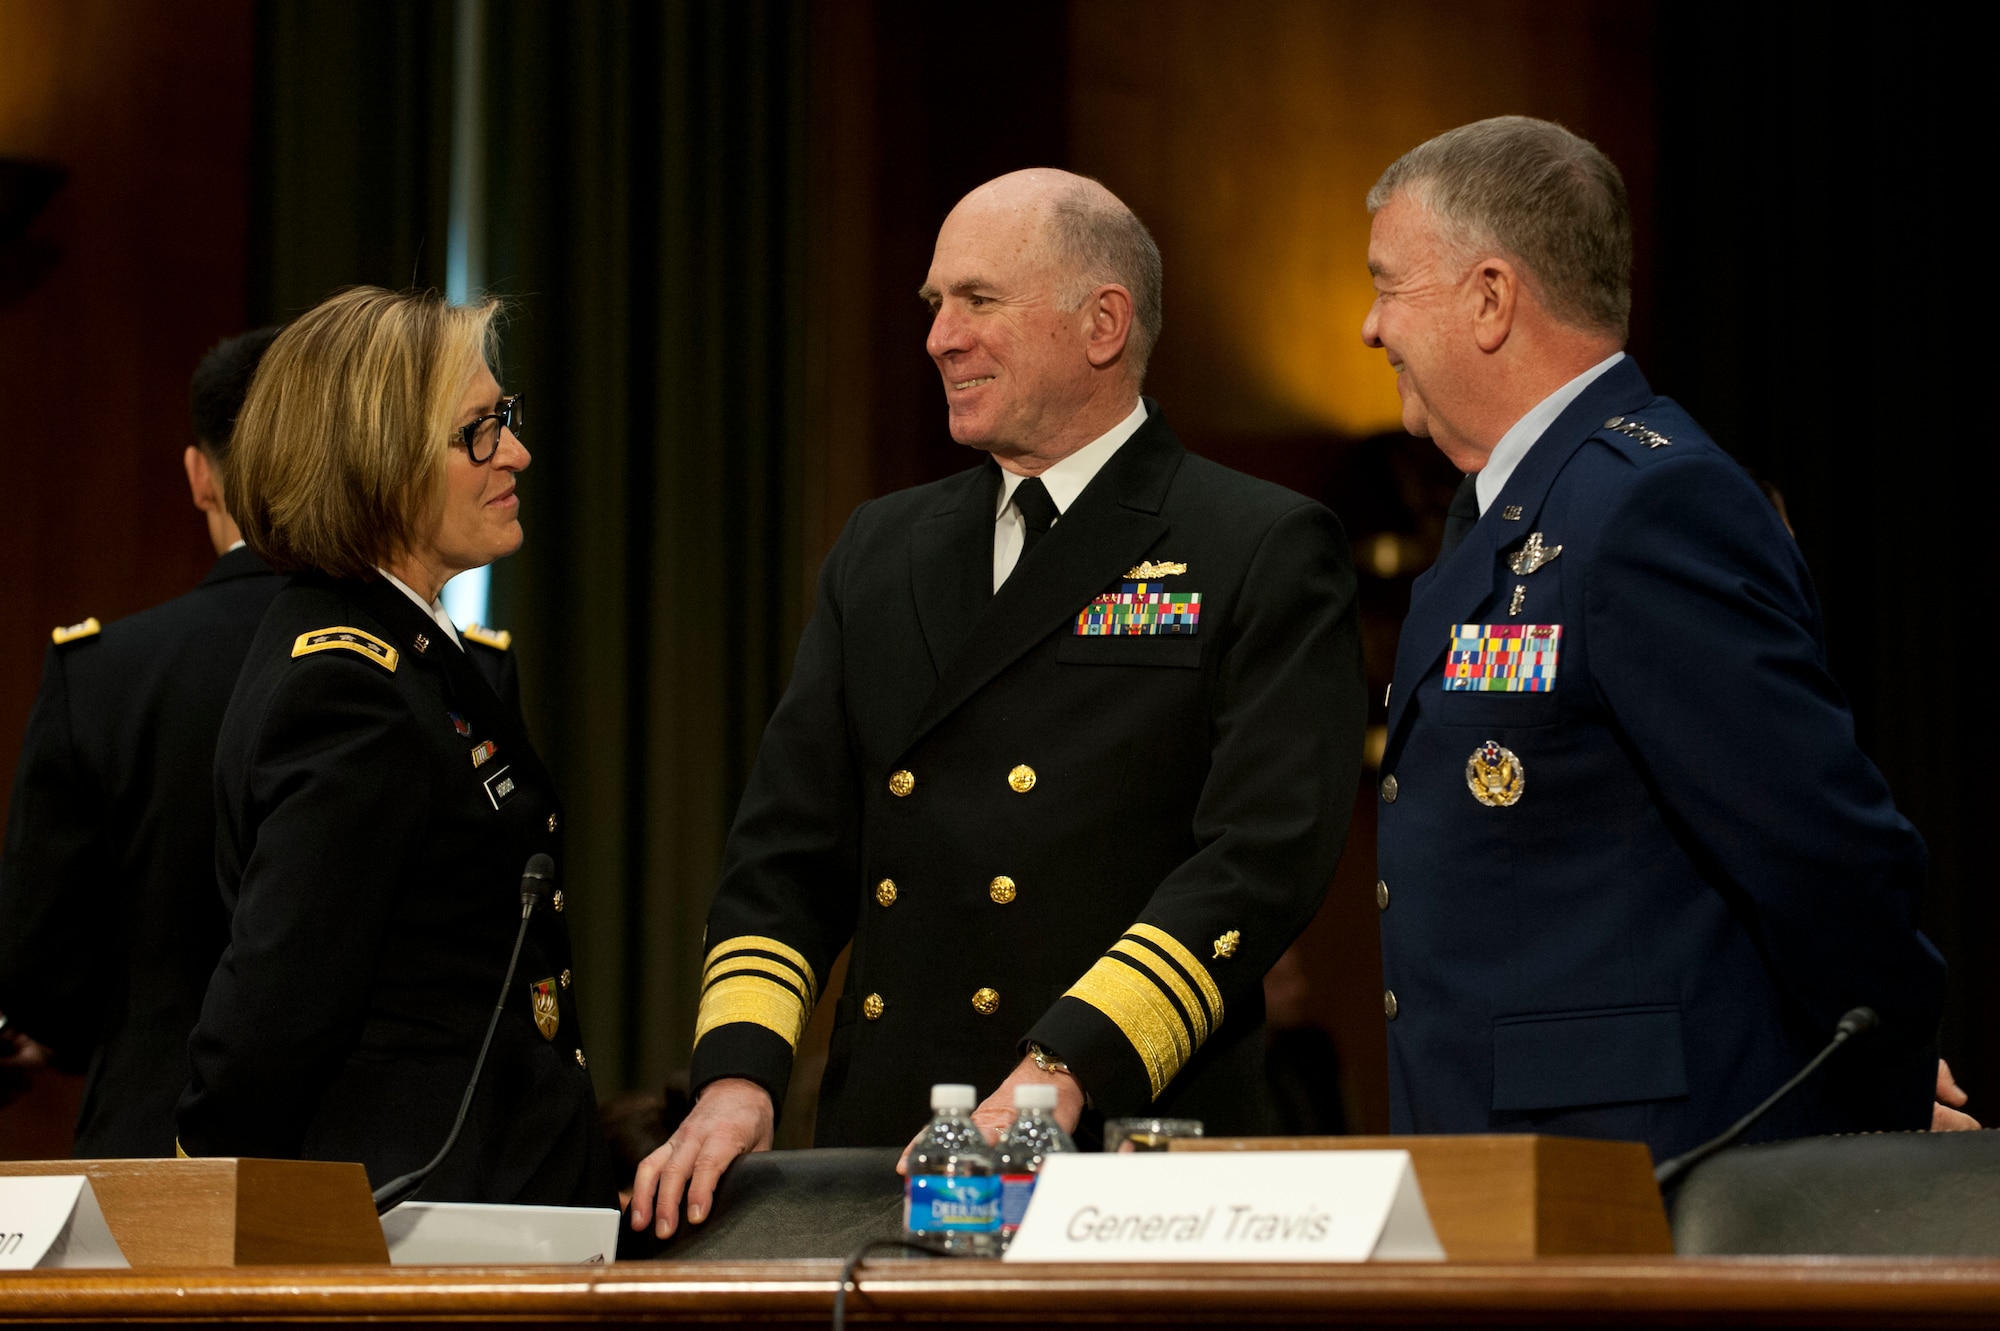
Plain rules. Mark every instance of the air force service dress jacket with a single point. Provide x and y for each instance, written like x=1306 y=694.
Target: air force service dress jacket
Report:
x=377 y=803
x=1089 y=810
x=1633 y=865
x=109 y=919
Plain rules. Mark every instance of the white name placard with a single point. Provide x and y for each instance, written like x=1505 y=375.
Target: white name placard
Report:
x=52 y=1220
x=485 y=1234
x=1227 y=1206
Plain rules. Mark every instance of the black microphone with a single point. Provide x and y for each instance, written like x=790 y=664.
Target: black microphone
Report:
x=1858 y=1021
x=535 y=880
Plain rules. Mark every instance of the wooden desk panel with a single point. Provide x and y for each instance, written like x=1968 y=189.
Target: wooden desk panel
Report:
x=1563 y=1292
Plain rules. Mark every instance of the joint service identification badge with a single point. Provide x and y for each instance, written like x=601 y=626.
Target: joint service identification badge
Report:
x=1495 y=776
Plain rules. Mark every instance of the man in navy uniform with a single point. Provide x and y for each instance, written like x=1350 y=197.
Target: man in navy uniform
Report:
x=1068 y=751
x=1633 y=867
x=110 y=922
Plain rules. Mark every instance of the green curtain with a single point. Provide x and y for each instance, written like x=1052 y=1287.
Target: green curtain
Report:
x=350 y=161
x=645 y=178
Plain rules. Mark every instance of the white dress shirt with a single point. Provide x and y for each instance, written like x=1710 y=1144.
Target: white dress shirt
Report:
x=435 y=609
x=1514 y=444
x=1064 y=481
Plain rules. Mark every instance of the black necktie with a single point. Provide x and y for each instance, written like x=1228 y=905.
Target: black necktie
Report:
x=1038 y=511
x=1461 y=518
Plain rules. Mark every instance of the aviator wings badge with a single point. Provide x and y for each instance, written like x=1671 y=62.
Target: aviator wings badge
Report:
x=1532 y=555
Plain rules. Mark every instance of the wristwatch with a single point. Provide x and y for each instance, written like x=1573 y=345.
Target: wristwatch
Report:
x=1047 y=1061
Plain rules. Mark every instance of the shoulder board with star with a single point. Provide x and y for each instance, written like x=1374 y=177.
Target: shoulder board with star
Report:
x=342 y=638
x=498 y=639
x=89 y=628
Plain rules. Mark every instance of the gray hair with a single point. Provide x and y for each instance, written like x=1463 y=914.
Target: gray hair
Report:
x=1538 y=194
x=1097 y=239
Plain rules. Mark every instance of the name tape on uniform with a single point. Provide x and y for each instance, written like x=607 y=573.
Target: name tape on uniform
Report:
x=53 y=1220
x=1227 y=1206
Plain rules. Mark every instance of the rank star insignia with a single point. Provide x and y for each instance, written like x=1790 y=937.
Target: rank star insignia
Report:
x=1495 y=776
x=547 y=1016
x=1533 y=555
x=1225 y=946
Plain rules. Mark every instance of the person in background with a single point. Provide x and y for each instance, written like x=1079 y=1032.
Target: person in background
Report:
x=109 y=919
x=377 y=799
x=1633 y=866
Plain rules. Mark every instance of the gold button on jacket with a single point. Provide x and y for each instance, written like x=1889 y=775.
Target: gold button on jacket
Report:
x=1109 y=835
x=1389 y=1004
x=1389 y=789
x=885 y=892
x=1381 y=895
x=557 y=900
x=872 y=1007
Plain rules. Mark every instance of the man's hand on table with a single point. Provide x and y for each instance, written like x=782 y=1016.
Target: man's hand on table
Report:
x=731 y=1117
x=996 y=1112
x=1945 y=1115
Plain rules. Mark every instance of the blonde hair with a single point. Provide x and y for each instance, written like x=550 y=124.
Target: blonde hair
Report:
x=338 y=458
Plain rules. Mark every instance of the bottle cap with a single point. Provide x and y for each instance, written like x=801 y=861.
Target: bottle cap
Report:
x=952 y=1095
x=1034 y=1095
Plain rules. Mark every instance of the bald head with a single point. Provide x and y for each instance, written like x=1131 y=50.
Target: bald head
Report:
x=1086 y=237
x=1045 y=299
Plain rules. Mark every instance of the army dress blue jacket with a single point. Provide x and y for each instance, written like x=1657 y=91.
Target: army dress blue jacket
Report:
x=377 y=801
x=1635 y=866
x=109 y=919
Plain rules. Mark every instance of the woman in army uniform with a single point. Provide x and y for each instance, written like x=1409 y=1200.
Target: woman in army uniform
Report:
x=377 y=799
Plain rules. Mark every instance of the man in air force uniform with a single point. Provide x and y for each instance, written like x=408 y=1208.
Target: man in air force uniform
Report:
x=1633 y=867
x=109 y=918
x=1068 y=750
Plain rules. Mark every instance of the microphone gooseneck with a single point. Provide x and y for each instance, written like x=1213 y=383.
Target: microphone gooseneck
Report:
x=1857 y=1021
x=535 y=881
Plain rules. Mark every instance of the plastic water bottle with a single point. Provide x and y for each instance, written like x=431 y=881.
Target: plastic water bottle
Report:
x=953 y=1196
x=1034 y=1137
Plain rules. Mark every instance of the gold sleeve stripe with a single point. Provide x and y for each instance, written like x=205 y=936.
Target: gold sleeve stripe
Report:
x=1170 y=980
x=753 y=999
x=758 y=943
x=1186 y=960
x=1143 y=1012
x=747 y=963
x=180 y=1152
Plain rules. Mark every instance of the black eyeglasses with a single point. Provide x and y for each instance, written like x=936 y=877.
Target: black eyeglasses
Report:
x=481 y=438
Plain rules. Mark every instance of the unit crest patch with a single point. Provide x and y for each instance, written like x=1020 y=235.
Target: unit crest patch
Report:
x=1502 y=658
x=1140 y=608
x=343 y=639
x=547 y=1015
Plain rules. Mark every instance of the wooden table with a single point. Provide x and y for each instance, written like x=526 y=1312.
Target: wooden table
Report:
x=1650 y=1291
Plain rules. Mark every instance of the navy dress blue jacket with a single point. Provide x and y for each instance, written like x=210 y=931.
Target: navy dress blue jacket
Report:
x=1700 y=871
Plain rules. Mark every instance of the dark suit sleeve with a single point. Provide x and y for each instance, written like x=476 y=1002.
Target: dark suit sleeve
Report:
x=1703 y=635
x=1287 y=718
x=785 y=905
x=334 y=808
x=57 y=883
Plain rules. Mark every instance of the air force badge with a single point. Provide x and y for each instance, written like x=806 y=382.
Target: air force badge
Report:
x=1533 y=555
x=1495 y=776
